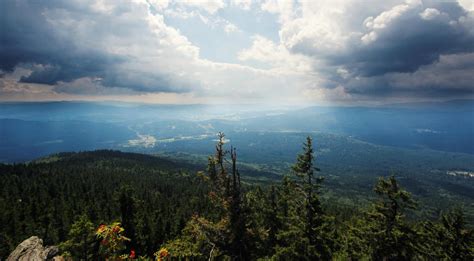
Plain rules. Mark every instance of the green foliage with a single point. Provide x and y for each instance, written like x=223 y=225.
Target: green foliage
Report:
x=200 y=239
x=388 y=234
x=226 y=235
x=308 y=232
x=127 y=215
x=260 y=226
x=45 y=199
x=112 y=240
x=82 y=243
x=450 y=238
x=169 y=212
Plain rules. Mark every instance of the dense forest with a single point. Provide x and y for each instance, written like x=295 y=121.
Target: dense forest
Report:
x=115 y=205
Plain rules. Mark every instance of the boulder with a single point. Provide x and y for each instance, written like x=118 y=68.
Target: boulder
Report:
x=32 y=249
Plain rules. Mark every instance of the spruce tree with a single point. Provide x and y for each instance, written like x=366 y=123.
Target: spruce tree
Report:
x=237 y=218
x=224 y=235
x=307 y=234
x=390 y=236
x=450 y=238
x=127 y=215
x=304 y=169
x=271 y=218
x=82 y=243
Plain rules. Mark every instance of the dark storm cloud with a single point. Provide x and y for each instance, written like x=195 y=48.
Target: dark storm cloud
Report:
x=29 y=40
x=27 y=37
x=404 y=49
x=450 y=76
x=411 y=41
x=422 y=53
x=69 y=66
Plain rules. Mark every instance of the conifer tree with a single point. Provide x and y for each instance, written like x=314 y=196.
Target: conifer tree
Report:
x=308 y=233
x=82 y=243
x=304 y=169
x=390 y=236
x=226 y=235
x=256 y=209
x=272 y=220
x=449 y=238
x=127 y=214
x=237 y=219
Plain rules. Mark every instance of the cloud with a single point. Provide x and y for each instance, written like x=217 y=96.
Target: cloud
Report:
x=371 y=48
x=210 y=20
x=430 y=14
x=467 y=4
x=404 y=41
x=12 y=89
x=230 y=28
x=284 y=8
x=452 y=76
x=275 y=56
x=71 y=40
x=394 y=40
x=210 y=6
x=89 y=86
x=335 y=50
x=124 y=48
x=243 y=4
x=385 y=18
x=159 y=4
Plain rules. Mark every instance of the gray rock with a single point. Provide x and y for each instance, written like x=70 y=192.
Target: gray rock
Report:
x=32 y=250
x=50 y=252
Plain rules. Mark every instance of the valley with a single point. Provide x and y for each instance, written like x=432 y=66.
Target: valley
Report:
x=419 y=145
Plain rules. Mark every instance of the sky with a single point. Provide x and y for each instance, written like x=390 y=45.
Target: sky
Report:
x=237 y=52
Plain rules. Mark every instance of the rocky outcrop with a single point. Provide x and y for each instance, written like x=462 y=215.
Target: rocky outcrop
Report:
x=32 y=249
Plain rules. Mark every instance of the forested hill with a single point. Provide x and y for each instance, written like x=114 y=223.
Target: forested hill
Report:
x=45 y=197
x=167 y=208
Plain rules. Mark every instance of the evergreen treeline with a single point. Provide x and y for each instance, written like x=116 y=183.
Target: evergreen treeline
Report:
x=166 y=210
x=62 y=197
